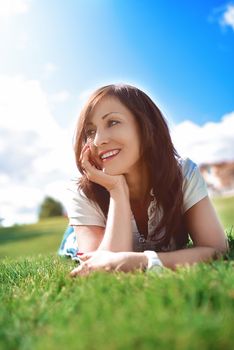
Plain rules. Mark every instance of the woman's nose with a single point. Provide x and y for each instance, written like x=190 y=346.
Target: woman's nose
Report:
x=100 y=138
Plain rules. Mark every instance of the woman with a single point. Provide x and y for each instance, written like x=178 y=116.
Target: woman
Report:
x=136 y=196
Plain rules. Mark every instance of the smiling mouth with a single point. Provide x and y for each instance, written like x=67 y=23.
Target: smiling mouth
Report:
x=109 y=157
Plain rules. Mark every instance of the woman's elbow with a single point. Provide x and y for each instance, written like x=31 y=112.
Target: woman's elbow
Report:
x=221 y=249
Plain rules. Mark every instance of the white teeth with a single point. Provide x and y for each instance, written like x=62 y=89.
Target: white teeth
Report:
x=109 y=154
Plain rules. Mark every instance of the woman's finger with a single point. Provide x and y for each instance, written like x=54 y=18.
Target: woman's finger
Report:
x=90 y=169
x=86 y=156
x=82 y=269
x=83 y=150
x=90 y=156
x=75 y=272
x=85 y=257
x=85 y=163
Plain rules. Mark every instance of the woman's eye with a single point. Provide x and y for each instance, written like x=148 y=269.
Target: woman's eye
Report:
x=112 y=122
x=89 y=133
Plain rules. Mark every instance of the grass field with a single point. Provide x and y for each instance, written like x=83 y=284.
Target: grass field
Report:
x=225 y=209
x=43 y=308
x=28 y=240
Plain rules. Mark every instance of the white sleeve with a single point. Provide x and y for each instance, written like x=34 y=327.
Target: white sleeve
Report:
x=80 y=210
x=194 y=186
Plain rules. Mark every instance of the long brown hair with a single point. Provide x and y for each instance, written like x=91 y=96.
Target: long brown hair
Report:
x=160 y=157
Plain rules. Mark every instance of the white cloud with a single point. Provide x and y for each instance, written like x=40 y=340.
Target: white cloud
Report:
x=224 y=15
x=13 y=7
x=49 y=69
x=228 y=16
x=22 y=41
x=61 y=96
x=24 y=106
x=18 y=203
x=36 y=155
x=211 y=142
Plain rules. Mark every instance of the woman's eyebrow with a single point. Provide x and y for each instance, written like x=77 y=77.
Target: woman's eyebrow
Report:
x=104 y=116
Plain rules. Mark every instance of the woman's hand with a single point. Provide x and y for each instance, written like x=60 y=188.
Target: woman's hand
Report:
x=91 y=166
x=103 y=260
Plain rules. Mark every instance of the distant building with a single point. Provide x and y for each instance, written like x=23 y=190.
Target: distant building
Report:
x=219 y=177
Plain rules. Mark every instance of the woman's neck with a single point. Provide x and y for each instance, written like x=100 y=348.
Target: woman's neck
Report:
x=138 y=184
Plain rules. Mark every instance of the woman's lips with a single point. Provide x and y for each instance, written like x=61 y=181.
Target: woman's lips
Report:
x=104 y=160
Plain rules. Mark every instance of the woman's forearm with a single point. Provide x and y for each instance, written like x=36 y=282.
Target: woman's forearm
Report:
x=182 y=257
x=188 y=256
x=118 y=232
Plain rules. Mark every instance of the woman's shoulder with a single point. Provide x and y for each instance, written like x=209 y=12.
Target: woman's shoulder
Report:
x=74 y=193
x=81 y=210
x=194 y=186
x=74 y=189
x=188 y=167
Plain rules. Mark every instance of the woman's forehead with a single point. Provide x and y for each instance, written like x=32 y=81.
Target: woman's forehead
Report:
x=105 y=107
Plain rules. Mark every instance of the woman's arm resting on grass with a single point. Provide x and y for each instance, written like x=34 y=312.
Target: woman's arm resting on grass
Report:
x=103 y=260
x=132 y=261
x=205 y=230
x=188 y=256
x=206 y=233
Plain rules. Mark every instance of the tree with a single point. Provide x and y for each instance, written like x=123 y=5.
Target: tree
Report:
x=50 y=208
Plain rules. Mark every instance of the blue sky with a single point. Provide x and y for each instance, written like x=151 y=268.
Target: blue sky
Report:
x=53 y=53
x=177 y=50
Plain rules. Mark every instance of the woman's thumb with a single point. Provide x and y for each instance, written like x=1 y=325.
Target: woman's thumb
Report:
x=84 y=256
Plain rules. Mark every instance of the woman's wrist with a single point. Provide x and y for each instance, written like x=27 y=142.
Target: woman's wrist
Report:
x=120 y=187
x=154 y=262
x=144 y=261
x=137 y=261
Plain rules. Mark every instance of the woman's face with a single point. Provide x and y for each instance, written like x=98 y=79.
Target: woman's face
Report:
x=115 y=135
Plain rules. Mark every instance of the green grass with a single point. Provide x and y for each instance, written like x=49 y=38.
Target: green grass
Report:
x=26 y=240
x=225 y=209
x=43 y=308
